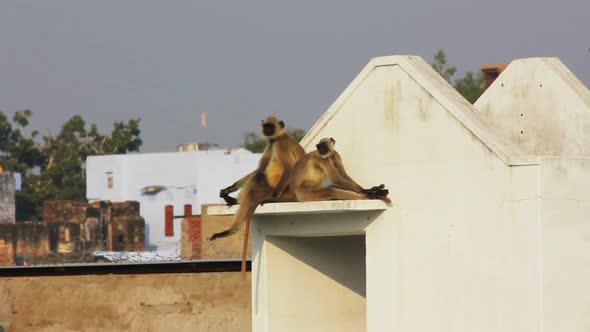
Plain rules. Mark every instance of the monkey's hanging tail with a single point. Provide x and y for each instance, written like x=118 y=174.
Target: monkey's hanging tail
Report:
x=245 y=249
x=243 y=215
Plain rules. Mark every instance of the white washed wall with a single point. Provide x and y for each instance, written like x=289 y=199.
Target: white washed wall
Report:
x=190 y=177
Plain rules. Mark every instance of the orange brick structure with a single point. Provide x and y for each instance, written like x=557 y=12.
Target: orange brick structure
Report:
x=64 y=211
x=195 y=234
x=191 y=243
x=6 y=253
x=72 y=230
x=490 y=72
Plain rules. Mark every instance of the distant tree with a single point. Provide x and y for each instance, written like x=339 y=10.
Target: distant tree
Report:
x=469 y=86
x=53 y=167
x=441 y=67
x=298 y=134
x=18 y=153
x=255 y=143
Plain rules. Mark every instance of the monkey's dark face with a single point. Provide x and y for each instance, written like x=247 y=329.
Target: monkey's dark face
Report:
x=272 y=127
x=325 y=146
x=268 y=129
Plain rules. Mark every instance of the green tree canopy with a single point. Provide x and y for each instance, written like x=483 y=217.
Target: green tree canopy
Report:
x=298 y=134
x=469 y=86
x=53 y=167
x=441 y=67
x=255 y=143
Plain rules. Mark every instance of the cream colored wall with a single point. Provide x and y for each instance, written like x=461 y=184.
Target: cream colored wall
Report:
x=544 y=109
x=484 y=233
x=309 y=270
x=312 y=277
x=565 y=244
x=458 y=251
x=540 y=106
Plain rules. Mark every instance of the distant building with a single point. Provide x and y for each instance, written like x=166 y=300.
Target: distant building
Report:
x=490 y=72
x=160 y=179
x=196 y=147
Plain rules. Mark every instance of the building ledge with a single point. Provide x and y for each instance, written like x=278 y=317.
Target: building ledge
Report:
x=291 y=208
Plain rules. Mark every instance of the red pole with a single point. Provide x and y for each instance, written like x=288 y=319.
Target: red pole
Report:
x=169 y=220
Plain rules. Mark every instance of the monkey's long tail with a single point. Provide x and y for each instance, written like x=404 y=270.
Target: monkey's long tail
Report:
x=243 y=215
x=245 y=249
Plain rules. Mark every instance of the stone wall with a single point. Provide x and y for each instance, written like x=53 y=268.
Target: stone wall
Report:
x=64 y=211
x=148 y=302
x=28 y=238
x=71 y=232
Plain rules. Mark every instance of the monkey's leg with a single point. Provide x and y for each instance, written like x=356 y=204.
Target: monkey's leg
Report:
x=326 y=194
x=224 y=193
x=287 y=196
x=244 y=214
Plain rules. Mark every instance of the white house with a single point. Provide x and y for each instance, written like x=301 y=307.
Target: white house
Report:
x=160 y=179
x=490 y=223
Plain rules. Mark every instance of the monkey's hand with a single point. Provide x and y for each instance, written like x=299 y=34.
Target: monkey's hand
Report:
x=376 y=191
x=225 y=192
x=229 y=201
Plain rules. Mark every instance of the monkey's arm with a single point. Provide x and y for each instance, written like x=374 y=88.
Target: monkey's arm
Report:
x=286 y=158
x=240 y=183
x=337 y=161
x=236 y=185
x=282 y=185
x=265 y=158
x=337 y=179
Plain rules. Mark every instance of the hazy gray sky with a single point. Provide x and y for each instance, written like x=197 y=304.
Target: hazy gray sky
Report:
x=167 y=61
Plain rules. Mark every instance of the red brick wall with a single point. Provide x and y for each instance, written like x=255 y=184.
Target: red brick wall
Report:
x=64 y=211
x=6 y=253
x=190 y=242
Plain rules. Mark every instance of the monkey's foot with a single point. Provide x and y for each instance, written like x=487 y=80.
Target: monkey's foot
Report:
x=226 y=191
x=376 y=192
x=229 y=201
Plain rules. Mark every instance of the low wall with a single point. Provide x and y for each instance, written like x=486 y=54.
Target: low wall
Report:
x=223 y=248
x=218 y=301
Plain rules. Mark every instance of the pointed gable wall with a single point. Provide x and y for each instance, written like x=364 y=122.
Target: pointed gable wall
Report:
x=399 y=111
x=541 y=107
x=455 y=197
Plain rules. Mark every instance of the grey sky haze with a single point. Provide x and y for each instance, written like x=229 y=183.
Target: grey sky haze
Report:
x=167 y=61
